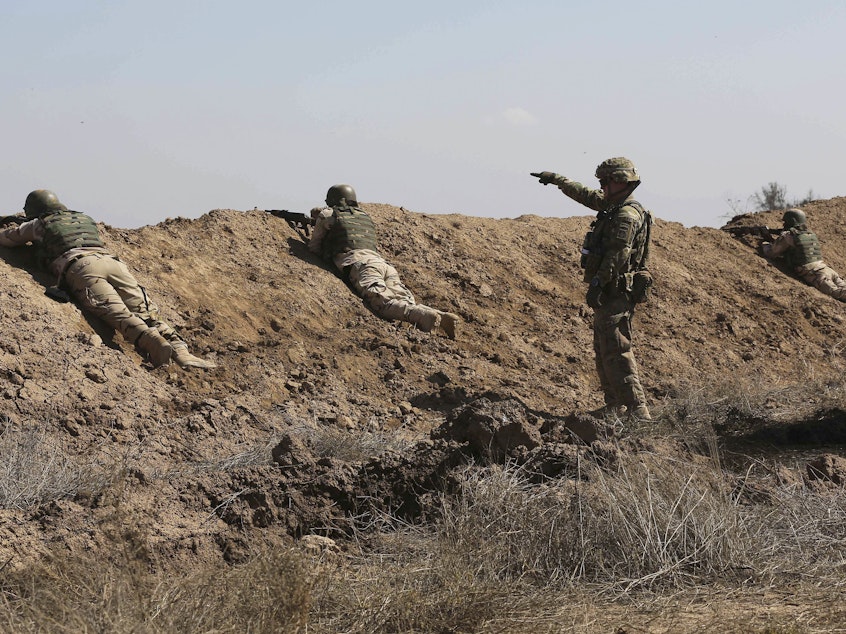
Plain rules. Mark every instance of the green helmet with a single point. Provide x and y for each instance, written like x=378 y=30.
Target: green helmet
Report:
x=619 y=170
x=40 y=202
x=793 y=218
x=341 y=193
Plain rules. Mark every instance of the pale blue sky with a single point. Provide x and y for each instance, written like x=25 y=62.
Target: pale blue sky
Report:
x=137 y=111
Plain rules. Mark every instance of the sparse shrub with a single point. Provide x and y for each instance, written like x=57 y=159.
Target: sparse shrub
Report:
x=648 y=519
x=83 y=593
x=771 y=196
x=35 y=469
x=774 y=196
x=410 y=584
x=334 y=442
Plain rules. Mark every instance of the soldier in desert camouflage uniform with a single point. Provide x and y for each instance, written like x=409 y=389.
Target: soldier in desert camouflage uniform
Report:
x=69 y=245
x=346 y=236
x=614 y=259
x=800 y=248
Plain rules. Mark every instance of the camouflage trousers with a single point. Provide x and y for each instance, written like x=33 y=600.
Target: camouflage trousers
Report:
x=378 y=283
x=823 y=278
x=103 y=286
x=612 y=347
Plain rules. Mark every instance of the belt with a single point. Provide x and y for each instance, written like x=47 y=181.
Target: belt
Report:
x=68 y=265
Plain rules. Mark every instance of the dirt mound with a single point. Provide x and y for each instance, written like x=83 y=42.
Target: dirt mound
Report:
x=316 y=402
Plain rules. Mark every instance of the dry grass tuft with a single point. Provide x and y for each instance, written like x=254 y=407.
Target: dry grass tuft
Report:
x=35 y=469
x=645 y=520
x=80 y=593
x=334 y=442
x=411 y=585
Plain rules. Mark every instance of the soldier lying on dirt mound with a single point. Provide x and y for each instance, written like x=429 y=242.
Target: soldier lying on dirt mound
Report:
x=346 y=236
x=614 y=258
x=70 y=247
x=800 y=248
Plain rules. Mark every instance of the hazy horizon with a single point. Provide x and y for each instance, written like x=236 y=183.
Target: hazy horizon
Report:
x=134 y=112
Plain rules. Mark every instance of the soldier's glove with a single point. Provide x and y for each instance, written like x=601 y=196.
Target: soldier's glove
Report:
x=594 y=294
x=545 y=177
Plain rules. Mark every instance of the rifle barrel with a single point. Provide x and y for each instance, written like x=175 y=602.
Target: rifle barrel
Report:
x=292 y=216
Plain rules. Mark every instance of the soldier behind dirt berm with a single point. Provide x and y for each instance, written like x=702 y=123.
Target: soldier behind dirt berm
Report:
x=800 y=248
x=614 y=258
x=70 y=247
x=345 y=235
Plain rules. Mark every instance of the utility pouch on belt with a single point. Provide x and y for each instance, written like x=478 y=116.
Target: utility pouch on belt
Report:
x=585 y=250
x=641 y=282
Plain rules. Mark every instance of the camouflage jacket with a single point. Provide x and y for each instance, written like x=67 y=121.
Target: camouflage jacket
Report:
x=618 y=240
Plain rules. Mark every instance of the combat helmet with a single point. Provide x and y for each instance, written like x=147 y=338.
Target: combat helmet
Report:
x=338 y=194
x=793 y=218
x=40 y=202
x=618 y=170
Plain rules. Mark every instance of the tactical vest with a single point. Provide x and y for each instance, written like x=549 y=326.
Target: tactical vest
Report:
x=806 y=248
x=593 y=246
x=66 y=230
x=353 y=229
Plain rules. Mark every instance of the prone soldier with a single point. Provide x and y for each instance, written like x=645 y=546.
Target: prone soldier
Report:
x=69 y=244
x=800 y=248
x=345 y=235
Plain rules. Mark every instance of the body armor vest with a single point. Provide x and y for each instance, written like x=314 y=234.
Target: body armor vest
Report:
x=353 y=229
x=806 y=248
x=593 y=246
x=66 y=230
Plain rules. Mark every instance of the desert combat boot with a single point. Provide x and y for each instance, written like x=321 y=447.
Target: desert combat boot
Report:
x=154 y=347
x=184 y=359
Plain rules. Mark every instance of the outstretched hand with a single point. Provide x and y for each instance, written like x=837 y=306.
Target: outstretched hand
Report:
x=545 y=177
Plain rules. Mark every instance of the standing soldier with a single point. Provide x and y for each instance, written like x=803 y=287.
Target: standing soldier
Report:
x=69 y=245
x=614 y=259
x=800 y=248
x=346 y=236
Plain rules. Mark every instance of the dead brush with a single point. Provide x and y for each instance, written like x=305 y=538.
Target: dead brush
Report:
x=334 y=442
x=35 y=469
x=654 y=519
x=644 y=520
x=70 y=593
x=745 y=398
x=404 y=581
x=800 y=534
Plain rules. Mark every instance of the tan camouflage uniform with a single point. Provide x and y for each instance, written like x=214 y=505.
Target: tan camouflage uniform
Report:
x=614 y=241
x=103 y=285
x=377 y=282
x=817 y=273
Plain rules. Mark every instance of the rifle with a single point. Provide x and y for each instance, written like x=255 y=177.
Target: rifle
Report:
x=761 y=231
x=295 y=220
x=14 y=219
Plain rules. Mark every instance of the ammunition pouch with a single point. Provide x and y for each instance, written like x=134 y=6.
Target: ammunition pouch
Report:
x=590 y=263
x=587 y=245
